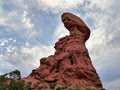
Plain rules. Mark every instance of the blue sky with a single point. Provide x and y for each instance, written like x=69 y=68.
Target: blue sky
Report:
x=30 y=28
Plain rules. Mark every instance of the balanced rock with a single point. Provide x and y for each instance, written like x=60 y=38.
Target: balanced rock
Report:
x=71 y=65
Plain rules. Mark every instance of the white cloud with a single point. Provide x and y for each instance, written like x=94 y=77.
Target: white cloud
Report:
x=104 y=43
x=58 y=5
x=60 y=31
x=101 y=48
x=65 y=5
x=2 y=20
x=25 y=56
x=7 y=19
x=100 y=4
x=16 y=19
x=4 y=41
x=98 y=41
x=27 y=21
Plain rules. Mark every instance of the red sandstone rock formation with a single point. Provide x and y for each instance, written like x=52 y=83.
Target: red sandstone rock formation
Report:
x=70 y=65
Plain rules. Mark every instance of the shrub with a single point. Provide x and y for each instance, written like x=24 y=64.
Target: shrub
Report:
x=28 y=85
x=52 y=85
x=15 y=82
x=16 y=85
x=77 y=88
x=60 y=88
x=102 y=89
x=88 y=88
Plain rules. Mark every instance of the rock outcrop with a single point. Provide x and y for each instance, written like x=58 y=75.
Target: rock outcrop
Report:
x=70 y=65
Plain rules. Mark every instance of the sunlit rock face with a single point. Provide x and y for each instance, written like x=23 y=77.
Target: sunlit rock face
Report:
x=70 y=65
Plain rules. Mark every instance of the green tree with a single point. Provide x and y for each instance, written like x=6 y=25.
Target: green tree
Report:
x=12 y=81
x=15 y=75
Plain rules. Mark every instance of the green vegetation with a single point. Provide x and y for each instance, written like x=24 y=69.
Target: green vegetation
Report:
x=28 y=86
x=59 y=88
x=12 y=81
x=52 y=85
x=88 y=88
x=77 y=88
x=15 y=75
x=102 y=89
x=14 y=85
x=2 y=82
x=63 y=88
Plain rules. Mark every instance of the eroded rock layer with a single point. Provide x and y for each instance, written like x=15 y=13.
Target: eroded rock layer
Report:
x=70 y=65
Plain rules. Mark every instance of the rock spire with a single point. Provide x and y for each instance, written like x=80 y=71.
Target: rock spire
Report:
x=70 y=65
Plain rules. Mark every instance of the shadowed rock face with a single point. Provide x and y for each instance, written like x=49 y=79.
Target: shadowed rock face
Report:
x=70 y=65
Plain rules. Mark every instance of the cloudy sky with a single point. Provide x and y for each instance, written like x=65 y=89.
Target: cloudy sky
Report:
x=30 y=28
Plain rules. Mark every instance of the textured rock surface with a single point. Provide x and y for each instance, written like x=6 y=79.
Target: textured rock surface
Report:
x=71 y=64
